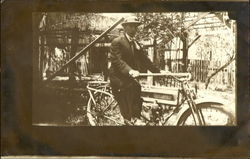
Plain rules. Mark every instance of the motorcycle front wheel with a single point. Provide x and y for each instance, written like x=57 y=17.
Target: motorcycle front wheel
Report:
x=214 y=114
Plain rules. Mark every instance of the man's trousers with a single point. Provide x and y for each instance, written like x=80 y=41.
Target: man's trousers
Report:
x=129 y=100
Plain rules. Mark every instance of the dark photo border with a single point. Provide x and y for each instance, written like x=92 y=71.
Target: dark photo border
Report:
x=19 y=137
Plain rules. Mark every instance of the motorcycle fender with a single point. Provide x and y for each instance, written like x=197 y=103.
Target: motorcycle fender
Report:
x=198 y=102
x=210 y=100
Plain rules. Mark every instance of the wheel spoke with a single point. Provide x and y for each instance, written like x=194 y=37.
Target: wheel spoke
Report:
x=108 y=105
x=104 y=110
x=117 y=122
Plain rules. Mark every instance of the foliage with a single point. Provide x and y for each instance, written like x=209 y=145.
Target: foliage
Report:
x=215 y=47
x=159 y=26
x=59 y=20
x=159 y=29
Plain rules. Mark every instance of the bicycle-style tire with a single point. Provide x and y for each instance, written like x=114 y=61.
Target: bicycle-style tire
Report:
x=214 y=114
x=104 y=112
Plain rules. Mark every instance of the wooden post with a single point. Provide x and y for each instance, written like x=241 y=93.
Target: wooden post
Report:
x=196 y=70
x=155 y=60
x=41 y=60
x=151 y=57
x=170 y=58
x=185 y=51
x=74 y=44
x=202 y=70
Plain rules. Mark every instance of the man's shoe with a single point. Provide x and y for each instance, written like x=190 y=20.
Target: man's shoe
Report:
x=139 y=122
x=127 y=122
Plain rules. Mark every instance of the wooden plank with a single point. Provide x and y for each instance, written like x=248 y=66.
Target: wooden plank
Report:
x=73 y=50
x=200 y=68
x=220 y=17
x=194 y=41
x=197 y=70
x=207 y=69
x=42 y=55
x=194 y=70
x=200 y=16
x=202 y=71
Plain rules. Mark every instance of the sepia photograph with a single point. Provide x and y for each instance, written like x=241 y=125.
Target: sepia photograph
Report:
x=124 y=79
x=134 y=69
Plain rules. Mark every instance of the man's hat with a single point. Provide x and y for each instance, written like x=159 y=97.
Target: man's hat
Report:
x=131 y=20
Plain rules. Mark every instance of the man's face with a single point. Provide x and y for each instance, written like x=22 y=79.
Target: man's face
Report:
x=131 y=29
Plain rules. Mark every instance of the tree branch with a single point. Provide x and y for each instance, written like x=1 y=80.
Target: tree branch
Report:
x=232 y=58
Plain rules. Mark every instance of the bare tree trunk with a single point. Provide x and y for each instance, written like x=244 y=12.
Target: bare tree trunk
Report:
x=185 y=52
x=232 y=58
x=155 y=59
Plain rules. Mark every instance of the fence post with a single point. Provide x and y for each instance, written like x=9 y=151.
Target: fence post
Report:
x=74 y=44
x=42 y=55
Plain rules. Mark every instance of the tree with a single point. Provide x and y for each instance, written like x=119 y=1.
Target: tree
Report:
x=217 y=47
x=160 y=29
x=159 y=26
x=208 y=79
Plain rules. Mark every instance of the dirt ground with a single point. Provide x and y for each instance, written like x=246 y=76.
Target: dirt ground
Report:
x=228 y=97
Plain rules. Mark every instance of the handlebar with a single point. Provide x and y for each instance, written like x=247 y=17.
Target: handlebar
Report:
x=174 y=75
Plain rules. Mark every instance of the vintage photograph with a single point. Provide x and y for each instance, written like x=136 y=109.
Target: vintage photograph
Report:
x=134 y=69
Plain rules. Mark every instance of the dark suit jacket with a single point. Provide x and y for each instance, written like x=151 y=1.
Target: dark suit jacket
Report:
x=123 y=59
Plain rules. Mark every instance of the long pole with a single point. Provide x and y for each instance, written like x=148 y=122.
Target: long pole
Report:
x=81 y=52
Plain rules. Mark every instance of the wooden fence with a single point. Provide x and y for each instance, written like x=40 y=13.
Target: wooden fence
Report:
x=56 y=47
x=201 y=69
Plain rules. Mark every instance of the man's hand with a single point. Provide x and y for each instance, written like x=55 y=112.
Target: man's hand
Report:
x=134 y=73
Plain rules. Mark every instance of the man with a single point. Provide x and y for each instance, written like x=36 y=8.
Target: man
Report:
x=127 y=61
